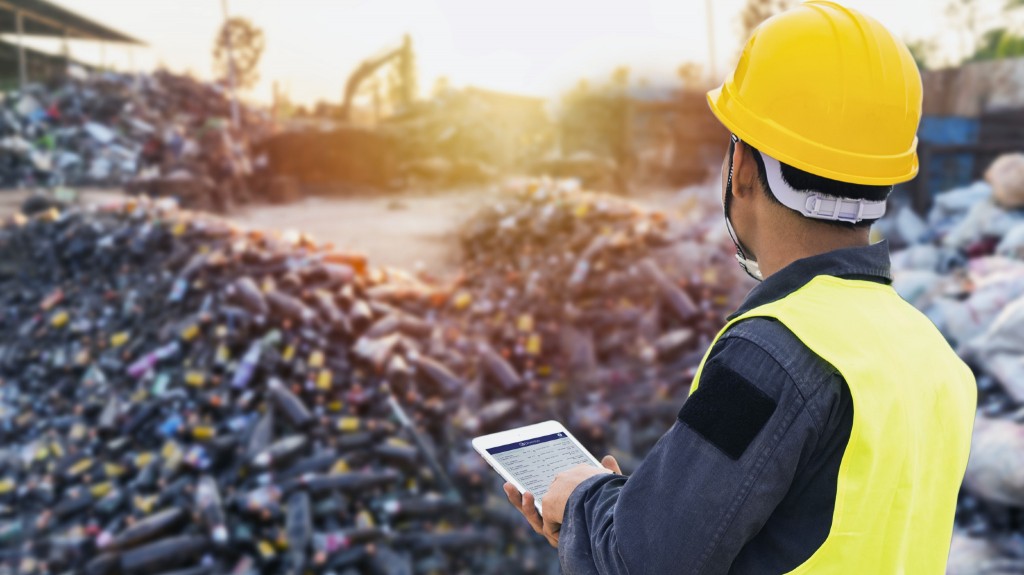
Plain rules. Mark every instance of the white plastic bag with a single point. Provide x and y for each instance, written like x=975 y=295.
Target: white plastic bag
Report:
x=917 y=286
x=1012 y=244
x=99 y=132
x=976 y=556
x=985 y=219
x=997 y=283
x=995 y=470
x=1000 y=351
x=911 y=228
x=918 y=257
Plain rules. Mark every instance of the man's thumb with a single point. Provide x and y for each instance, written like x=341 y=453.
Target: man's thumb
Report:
x=609 y=463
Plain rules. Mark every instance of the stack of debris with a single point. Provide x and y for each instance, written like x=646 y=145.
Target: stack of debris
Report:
x=166 y=135
x=596 y=308
x=964 y=268
x=181 y=394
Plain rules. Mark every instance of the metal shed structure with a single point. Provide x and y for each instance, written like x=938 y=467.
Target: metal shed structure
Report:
x=42 y=18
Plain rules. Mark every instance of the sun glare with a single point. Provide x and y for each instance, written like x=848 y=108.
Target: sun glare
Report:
x=532 y=47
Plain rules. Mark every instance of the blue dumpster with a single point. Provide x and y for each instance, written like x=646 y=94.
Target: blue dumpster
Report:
x=948 y=170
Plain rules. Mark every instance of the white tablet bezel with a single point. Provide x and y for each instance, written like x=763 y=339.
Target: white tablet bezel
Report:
x=484 y=442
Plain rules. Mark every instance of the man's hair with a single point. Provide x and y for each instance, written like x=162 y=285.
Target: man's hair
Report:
x=805 y=181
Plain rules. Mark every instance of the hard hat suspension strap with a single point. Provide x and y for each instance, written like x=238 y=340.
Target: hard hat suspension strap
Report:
x=815 y=205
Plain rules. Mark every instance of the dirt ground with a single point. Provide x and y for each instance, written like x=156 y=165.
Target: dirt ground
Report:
x=411 y=231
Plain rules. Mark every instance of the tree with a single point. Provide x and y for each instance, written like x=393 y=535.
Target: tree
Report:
x=240 y=40
x=1002 y=42
x=997 y=44
x=979 y=37
x=757 y=11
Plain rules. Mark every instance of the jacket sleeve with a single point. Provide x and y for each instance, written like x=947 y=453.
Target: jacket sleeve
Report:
x=708 y=485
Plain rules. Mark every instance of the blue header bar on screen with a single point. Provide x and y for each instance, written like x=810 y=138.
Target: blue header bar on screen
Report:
x=526 y=443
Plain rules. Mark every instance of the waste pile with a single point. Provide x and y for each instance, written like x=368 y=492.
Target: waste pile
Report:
x=181 y=395
x=164 y=134
x=594 y=308
x=963 y=266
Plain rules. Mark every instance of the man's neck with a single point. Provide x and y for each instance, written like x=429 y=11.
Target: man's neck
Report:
x=800 y=243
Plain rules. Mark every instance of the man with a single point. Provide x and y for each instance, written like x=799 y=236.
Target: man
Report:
x=828 y=427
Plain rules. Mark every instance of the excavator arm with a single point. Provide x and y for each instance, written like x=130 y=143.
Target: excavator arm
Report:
x=367 y=68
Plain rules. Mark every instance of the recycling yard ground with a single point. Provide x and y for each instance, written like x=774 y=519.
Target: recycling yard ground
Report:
x=414 y=230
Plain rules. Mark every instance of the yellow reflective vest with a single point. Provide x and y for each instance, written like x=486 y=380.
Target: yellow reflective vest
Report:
x=913 y=412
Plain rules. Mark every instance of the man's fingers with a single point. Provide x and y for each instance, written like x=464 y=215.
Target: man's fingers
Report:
x=524 y=503
x=609 y=463
x=530 y=512
x=542 y=526
x=513 y=496
x=551 y=532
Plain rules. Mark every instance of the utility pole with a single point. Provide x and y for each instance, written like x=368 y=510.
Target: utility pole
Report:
x=713 y=68
x=231 y=68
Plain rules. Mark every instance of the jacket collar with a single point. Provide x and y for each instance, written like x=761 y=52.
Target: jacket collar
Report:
x=865 y=263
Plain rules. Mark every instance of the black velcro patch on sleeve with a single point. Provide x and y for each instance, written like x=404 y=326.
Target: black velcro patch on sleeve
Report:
x=727 y=410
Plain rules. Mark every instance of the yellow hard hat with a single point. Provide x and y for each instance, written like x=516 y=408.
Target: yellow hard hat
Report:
x=828 y=90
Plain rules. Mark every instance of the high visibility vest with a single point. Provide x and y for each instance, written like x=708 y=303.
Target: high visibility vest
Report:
x=913 y=412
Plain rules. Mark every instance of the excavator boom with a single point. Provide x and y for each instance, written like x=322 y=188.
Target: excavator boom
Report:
x=371 y=65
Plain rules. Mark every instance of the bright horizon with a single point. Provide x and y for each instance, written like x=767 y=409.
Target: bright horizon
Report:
x=537 y=47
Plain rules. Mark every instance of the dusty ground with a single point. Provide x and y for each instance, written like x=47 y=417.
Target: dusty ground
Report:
x=410 y=231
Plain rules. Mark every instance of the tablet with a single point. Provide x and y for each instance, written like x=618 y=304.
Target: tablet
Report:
x=530 y=457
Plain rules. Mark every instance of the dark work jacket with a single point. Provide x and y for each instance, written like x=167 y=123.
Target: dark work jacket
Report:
x=691 y=508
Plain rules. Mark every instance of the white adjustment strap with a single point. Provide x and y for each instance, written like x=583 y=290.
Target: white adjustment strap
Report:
x=815 y=205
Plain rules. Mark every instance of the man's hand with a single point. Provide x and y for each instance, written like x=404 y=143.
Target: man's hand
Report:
x=555 y=499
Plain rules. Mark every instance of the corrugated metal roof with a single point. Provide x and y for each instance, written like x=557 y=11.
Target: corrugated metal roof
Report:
x=41 y=18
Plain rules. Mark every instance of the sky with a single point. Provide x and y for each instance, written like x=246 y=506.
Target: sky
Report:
x=537 y=47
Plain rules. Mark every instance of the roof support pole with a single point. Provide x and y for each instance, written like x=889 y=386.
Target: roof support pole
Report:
x=22 y=67
x=65 y=50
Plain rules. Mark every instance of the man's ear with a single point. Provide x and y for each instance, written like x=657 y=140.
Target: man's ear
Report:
x=744 y=170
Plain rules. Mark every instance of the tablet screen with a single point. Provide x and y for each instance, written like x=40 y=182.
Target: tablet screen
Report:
x=535 y=462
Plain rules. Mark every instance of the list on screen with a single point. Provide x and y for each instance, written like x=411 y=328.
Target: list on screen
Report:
x=535 y=462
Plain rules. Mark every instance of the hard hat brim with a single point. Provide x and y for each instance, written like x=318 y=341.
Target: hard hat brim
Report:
x=811 y=157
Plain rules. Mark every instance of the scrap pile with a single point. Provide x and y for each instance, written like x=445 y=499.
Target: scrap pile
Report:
x=182 y=396
x=178 y=394
x=964 y=268
x=166 y=133
x=595 y=309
